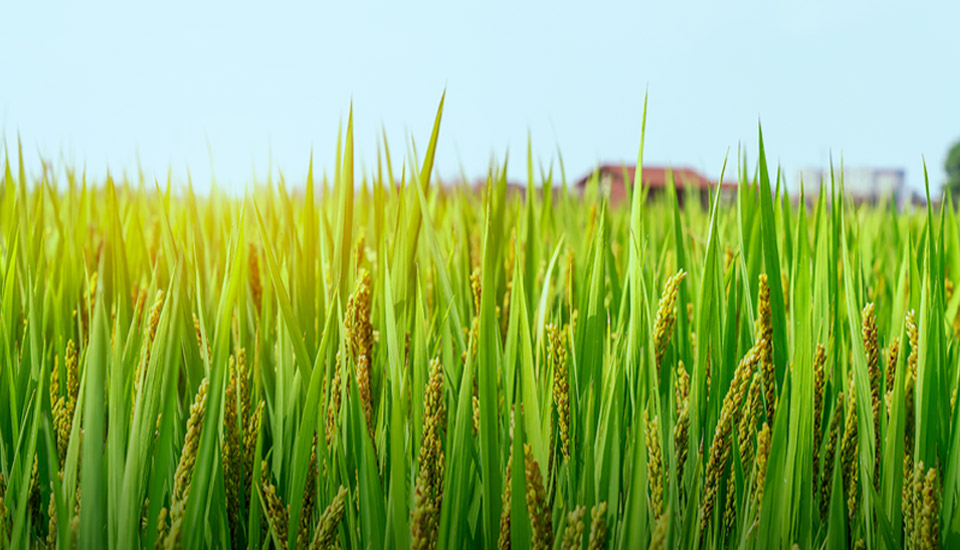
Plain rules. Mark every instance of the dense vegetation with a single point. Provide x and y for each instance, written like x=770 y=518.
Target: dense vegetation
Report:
x=421 y=366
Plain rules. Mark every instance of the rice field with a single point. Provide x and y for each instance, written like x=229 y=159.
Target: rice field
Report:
x=374 y=360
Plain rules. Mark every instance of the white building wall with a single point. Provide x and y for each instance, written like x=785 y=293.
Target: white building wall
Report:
x=863 y=183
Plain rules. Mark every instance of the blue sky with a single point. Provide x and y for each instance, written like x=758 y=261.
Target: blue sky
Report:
x=107 y=83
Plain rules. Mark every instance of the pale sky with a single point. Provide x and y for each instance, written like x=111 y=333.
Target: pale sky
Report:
x=101 y=83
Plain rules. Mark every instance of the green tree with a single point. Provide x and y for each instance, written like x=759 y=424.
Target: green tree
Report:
x=952 y=166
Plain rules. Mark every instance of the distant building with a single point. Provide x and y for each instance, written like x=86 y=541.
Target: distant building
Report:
x=612 y=178
x=862 y=185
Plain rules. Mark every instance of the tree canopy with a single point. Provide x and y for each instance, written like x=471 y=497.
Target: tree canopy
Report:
x=952 y=166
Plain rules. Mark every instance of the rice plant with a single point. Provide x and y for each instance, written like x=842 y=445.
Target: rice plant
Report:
x=376 y=359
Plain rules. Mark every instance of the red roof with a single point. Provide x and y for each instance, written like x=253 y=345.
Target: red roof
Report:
x=654 y=177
